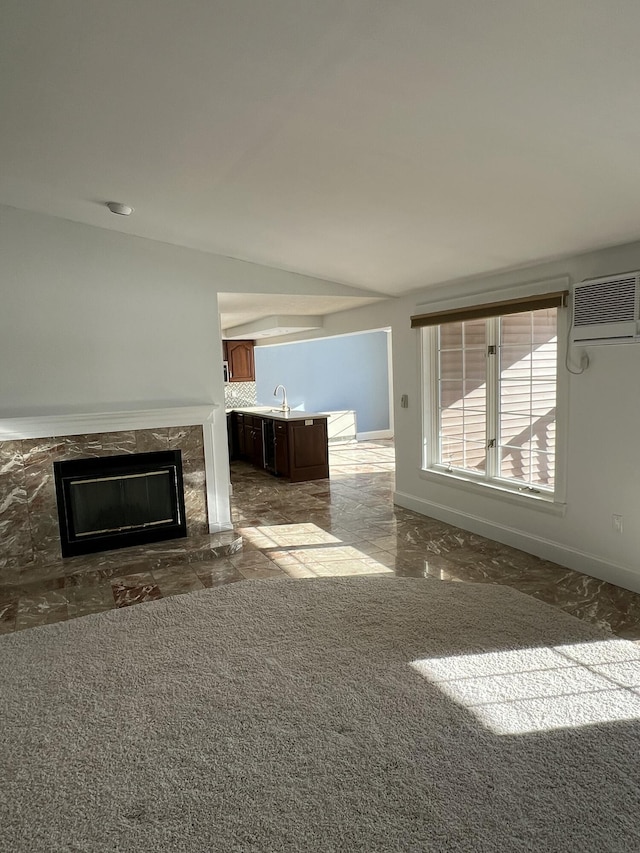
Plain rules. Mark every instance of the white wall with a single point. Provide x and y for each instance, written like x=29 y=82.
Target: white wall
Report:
x=91 y=318
x=601 y=464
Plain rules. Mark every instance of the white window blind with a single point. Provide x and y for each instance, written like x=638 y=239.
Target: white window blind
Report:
x=494 y=398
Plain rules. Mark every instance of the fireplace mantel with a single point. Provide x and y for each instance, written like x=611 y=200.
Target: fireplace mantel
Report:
x=82 y=423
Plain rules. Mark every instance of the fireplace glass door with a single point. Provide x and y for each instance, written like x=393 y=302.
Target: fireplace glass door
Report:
x=118 y=501
x=127 y=502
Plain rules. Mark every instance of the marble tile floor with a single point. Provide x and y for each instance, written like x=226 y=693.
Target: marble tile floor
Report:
x=38 y=594
x=349 y=525
x=346 y=525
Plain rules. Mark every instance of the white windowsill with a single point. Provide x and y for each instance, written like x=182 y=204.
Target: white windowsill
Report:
x=540 y=503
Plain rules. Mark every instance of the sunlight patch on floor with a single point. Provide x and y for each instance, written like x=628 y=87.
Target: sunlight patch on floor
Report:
x=305 y=550
x=541 y=689
x=346 y=473
x=286 y=535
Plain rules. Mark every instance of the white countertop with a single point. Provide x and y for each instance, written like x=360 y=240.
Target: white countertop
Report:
x=277 y=414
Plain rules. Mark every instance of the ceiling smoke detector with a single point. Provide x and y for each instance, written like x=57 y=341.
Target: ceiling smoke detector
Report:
x=120 y=209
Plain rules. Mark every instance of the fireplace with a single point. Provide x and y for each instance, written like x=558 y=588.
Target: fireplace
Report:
x=119 y=501
x=29 y=447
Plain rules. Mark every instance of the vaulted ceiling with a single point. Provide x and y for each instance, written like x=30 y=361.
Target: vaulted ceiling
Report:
x=386 y=145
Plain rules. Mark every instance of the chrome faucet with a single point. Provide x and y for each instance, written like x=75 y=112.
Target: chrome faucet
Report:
x=284 y=406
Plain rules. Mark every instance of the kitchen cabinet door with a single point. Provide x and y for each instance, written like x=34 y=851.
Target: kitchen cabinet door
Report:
x=256 y=450
x=241 y=362
x=308 y=450
x=241 y=441
x=281 y=440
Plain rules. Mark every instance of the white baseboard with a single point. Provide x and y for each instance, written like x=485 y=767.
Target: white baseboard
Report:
x=374 y=434
x=564 y=555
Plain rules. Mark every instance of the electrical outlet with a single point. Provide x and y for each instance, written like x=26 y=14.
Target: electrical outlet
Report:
x=404 y=401
x=617 y=523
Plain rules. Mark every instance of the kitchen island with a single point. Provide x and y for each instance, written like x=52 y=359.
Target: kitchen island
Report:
x=289 y=444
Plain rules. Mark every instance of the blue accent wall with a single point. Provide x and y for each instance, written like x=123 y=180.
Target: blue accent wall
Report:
x=330 y=374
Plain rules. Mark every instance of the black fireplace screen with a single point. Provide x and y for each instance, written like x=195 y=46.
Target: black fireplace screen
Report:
x=118 y=501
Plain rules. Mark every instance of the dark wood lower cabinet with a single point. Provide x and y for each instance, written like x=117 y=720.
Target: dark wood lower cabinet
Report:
x=237 y=421
x=281 y=449
x=297 y=449
x=308 y=450
x=256 y=450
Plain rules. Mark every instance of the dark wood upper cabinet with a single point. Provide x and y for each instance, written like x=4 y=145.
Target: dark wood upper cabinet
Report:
x=239 y=355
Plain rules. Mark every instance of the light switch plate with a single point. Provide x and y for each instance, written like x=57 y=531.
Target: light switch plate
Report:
x=404 y=401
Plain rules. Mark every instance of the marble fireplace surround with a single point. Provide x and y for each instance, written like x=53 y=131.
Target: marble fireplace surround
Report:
x=28 y=446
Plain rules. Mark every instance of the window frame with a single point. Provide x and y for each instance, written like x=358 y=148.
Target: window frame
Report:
x=550 y=500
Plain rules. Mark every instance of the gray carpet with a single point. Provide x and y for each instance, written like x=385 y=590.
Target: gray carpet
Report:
x=321 y=715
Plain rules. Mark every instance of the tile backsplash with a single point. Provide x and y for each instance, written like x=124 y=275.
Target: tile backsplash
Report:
x=238 y=394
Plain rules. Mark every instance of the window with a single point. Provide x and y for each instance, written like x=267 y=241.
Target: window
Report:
x=493 y=400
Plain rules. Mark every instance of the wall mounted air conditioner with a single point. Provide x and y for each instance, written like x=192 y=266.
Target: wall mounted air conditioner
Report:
x=606 y=310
